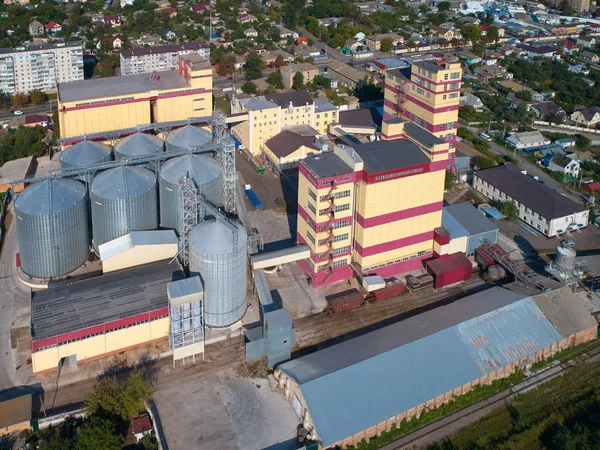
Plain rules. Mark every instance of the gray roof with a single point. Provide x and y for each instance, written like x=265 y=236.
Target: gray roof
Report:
x=473 y=220
x=185 y=291
x=138 y=144
x=538 y=197
x=297 y=98
x=70 y=307
x=359 y=383
x=201 y=168
x=16 y=169
x=322 y=105
x=565 y=310
x=327 y=165
x=84 y=154
x=363 y=117
x=421 y=135
x=50 y=196
x=125 y=182
x=291 y=139
x=37 y=47
x=383 y=156
x=189 y=137
x=561 y=160
x=118 y=86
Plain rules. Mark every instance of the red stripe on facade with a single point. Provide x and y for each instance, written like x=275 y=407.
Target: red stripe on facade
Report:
x=437 y=83
x=419 y=103
x=398 y=215
x=325 y=278
x=394 y=136
x=99 y=329
x=393 y=245
x=304 y=214
x=396 y=90
x=318 y=260
x=137 y=100
x=400 y=267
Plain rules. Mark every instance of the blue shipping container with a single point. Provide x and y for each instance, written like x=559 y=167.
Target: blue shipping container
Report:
x=254 y=199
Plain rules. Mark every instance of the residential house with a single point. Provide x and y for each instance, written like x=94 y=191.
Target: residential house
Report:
x=565 y=142
x=569 y=47
x=542 y=96
x=198 y=8
x=141 y=426
x=548 y=111
x=542 y=51
x=528 y=140
x=53 y=27
x=239 y=62
x=487 y=73
x=589 y=57
x=579 y=69
x=114 y=42
x=287 y=58
x=284 y=33
x=374 y=41
x=301 y=41
x=113 y=21
x=288 y=72
x=352 y=45
x=586 y=41
x=469 y=57
x=287 y=148
x=268 y=58
x=441 y=33
x=468 y=99
x=564 y=165
x=588 y=117
x=36 y=28
x=249 y=18
x=251 y=32
x=346 y=75
x=169 y=12
x=306 y=51
x=169 y=34
x=485 y=27
x=328 y=21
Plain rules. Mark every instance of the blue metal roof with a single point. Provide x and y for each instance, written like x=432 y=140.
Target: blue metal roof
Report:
x=494 y=213
x=361 y=395
x=453 y=226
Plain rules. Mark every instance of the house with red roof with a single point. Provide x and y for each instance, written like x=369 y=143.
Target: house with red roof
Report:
x=592 y=188
x=52 y=27
x=141 y=426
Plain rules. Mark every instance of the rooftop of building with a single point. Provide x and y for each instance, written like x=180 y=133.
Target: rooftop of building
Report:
x=300 y=67
x=291 y=139
x=464 y=216
x=327 y=165
x=16 y=169
x=82 y=304
x=421 y=135
x=295 y=98
x=136 y=238
x=81 y=90
x=36 y=47
x=383 y=156
x=170 y=48
x=363 y=117
x=431 y=66
x=15 y=406
x=432 y=353
x=349 y=72
x=536 y=196
x=526 y=137
x=322 y=105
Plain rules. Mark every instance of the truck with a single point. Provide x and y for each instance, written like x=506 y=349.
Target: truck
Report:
x=253 y=197
x=260 y=169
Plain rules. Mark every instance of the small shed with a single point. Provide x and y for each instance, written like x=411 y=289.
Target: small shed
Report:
x=450 y=269
x=592 y=188
x=141 y=426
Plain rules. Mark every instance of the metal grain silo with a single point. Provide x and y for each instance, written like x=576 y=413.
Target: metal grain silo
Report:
x=138 y=145
x=123 y=199
x=53 y=228
x=220 y=260
x=84 y=154
x=206 y=174
x=188 y=137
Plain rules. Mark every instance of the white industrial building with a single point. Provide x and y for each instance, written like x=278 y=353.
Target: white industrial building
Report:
x=159 y=58
x=40 y=67
x=539 y=206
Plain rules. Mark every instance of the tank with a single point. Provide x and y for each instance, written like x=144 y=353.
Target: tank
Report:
x=53 y=228
x=206 y=174
x=188 y=137
x=138 y=145
x=222 y=267
x=84 y=154
x=565 y=256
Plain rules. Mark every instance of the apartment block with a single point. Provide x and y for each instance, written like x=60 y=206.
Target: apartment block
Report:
x=116 y=103
x=160 y=57
x=40 y=67
x=308 y=71
x=428 y=97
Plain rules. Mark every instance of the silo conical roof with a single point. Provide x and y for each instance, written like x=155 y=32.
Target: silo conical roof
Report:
x=50 y=196
x=188 y=137
x=83 y=154
x=123 y=182
x=137 y=145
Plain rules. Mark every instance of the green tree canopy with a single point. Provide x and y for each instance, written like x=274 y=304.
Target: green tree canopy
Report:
x=254 y=66
x=471 y=33
x=298 y=81
x=509 y=209
x=249 y=88
x=386 y=45
x=276 y=80
x=99 y=433
x=443 y=6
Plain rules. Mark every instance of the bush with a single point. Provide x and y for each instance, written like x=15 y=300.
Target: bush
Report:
x=509 y=209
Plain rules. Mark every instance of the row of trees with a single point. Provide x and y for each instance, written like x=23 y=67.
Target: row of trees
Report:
x=20 y=100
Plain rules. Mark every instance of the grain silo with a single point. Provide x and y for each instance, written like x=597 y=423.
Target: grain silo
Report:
x=123 y=199
x=218 y=253
x=204 y=171
x=138 y=145
x=84 y=154
x=53 y=228
x=188 y=137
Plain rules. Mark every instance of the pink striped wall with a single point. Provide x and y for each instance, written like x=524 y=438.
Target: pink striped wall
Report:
x=400 y=267
x=398 y=215
x=393 y=245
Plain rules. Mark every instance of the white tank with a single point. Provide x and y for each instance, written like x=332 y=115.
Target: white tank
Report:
x=565 y=256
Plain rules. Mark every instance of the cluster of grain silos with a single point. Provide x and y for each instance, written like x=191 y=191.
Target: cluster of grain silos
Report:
x=218 y=254
x=54 y=216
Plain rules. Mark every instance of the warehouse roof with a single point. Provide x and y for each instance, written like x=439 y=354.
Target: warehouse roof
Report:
x=327 y=165
x=15 y=406
x=117 y=86
x=565 y=310
x=422 y=136
x=447 y=263
x=363 y=117
x=469 y=217
x=291 y=139
x=353 y=386
x=70 y=307
x=135 y=238
x=538 y=197
x=383 y=156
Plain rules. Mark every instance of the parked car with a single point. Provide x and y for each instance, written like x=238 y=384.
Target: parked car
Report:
x=485 y=137
x=18 y=112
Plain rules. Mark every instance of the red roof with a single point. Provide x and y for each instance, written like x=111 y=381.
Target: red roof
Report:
x=484 y=27
x=36 y=118
x=569 y=44
x=301 y=40
x=51 y=25
x=592 y=187
x=448 y=263
x=141 y=424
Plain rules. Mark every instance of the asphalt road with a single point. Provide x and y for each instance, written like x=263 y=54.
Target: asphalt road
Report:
x=31 y=110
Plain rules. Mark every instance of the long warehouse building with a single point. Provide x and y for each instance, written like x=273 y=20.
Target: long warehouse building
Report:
x=359 y=388
x=101 y=316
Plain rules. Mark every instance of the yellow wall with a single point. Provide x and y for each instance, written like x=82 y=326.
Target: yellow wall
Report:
x=392 y=231
x=455 y=245
x=100 y=345
x=138 y=255
x=393 y=256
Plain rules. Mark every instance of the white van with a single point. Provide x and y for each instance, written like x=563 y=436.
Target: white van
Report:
x=485 y=137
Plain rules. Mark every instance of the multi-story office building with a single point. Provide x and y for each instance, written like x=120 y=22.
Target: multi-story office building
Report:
x=40 y=67
x=429 y=97
x=116 y=103
x=268 y=115
x=159 y=58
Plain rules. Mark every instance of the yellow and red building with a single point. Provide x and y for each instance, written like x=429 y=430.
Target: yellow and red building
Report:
x=116 y=103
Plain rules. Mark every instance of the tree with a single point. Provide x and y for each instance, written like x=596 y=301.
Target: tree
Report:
x=254 y=66
x=509 y=210
x=492 y=33
x=275 y=34
x=524 y=95
x=443 y=6
x=483 y=162
x=276 y=80
x=249 y=88
x=449 y=181
x=279 y=62
x=566 y=7
x=298 y=81
x=19 y=100
x=322 y=82
x=5 y=100
x=148 y=442
x=98 y=433
x=338 y=40
x=471 y=33
x=386 y=45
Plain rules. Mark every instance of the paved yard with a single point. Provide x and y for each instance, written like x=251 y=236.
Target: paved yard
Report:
x=226 y=411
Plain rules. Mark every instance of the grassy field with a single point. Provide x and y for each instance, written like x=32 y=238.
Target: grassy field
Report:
x=561 y=414
x=222 y=103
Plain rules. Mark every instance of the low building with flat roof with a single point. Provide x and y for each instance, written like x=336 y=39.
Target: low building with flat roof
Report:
x=539 y=206
x=97 y=317
x=358 y=388
x=17 y=169
x=109 y=104
x=15 y=410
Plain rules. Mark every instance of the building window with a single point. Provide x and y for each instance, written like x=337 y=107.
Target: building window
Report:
x=312 y=194
x=455 y=76
x=340 y=251
x=445 y=96
x=340 y=263
x=310 y=237
x=445 y=76
x=336 y=195
x=454 y=95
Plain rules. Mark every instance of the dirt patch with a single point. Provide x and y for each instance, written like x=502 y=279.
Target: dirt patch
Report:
x=18 y=334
